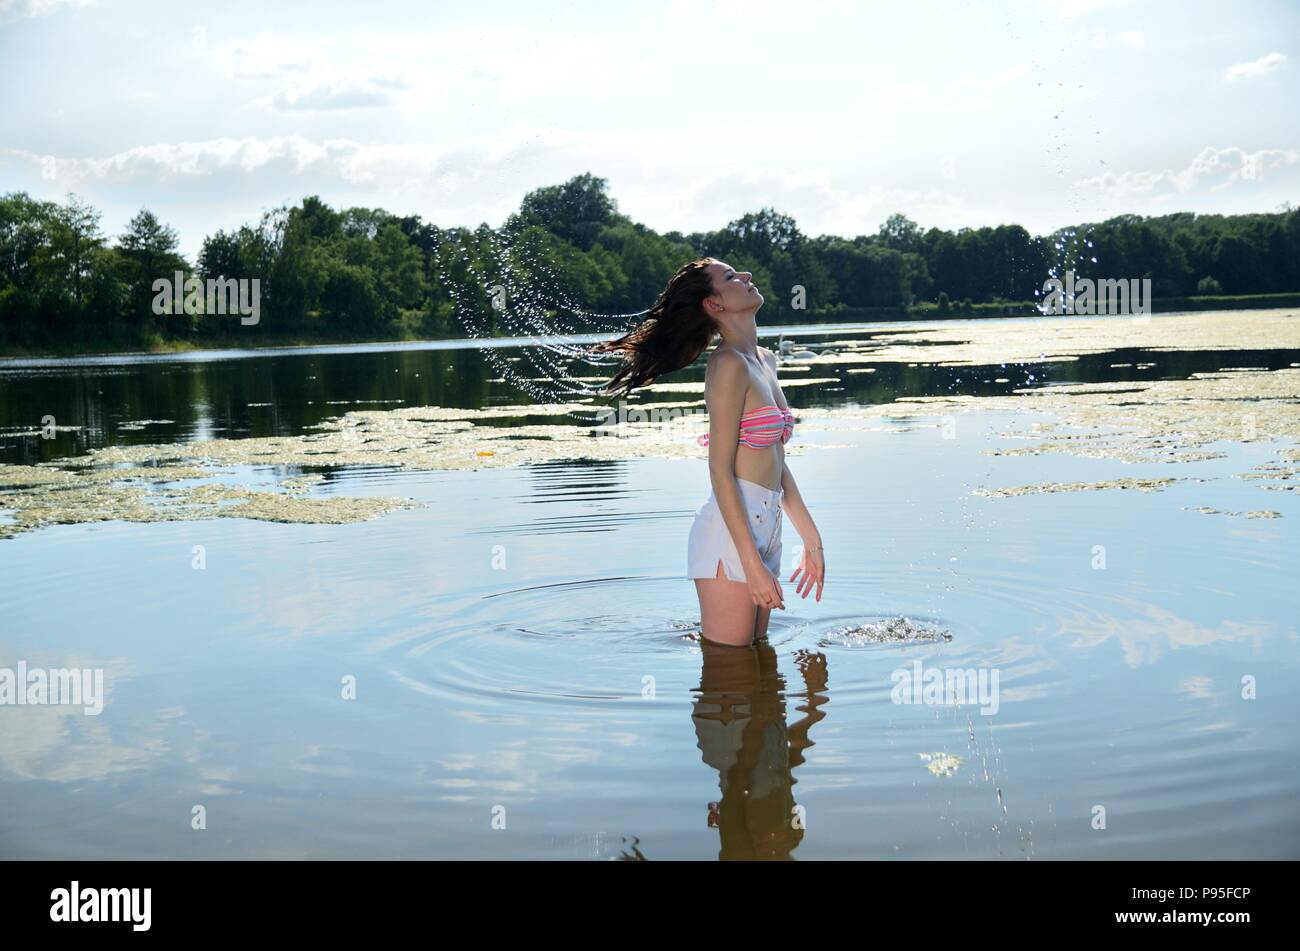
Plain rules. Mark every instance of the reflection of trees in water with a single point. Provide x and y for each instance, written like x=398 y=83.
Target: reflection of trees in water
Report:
x=740 y=725
x=229 y=398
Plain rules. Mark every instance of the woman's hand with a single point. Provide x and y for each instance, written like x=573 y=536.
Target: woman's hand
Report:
x=764 y=587
x=813 y=565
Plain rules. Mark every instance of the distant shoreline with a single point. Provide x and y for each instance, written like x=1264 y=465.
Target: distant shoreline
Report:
x=782 y=323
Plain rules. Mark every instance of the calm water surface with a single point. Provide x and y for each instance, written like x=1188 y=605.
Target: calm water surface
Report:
x=527 y=682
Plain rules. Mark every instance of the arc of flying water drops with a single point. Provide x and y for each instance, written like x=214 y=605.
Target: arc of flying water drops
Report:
x=502 y=367
x=571 y=351
x=525 y=319
x=475 y=331
x=568 y=305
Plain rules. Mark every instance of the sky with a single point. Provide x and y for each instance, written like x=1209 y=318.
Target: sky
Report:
x=956 y=113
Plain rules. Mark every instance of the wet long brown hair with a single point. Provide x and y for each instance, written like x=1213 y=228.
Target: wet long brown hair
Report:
x=672 y=335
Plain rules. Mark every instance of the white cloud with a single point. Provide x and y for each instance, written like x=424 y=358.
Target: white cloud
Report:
x=310 y=79
x=345 y=160
x=1212 y=169
x=22 y=9
x=814 y=197
x=1133 y=38
x=366 y=93
x=1265 y=64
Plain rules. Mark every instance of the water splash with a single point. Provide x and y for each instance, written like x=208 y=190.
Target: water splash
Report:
x=886 y=631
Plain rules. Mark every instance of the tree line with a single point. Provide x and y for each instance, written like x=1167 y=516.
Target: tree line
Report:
x=367 y=274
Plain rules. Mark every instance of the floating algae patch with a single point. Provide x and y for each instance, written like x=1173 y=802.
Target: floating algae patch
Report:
x=1277 y=478
x=941 y=764
x=1174 y=421
x=1253 y=513
x=1164 y=420
x=890 y=631
x=122 y=482
x=1271 y=472
x=6 y=431
x=1142 y=485
x=697 y=386
x=49 y=476
x=1167 y=421
x=690 y=386
x=348 y=402
x=302 y=483
x=1061 y=339
x=38 y=496
x=230 y=501
x=421 y=438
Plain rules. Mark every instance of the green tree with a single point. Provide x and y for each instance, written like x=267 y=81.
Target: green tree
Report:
x=221 y=256
x=760 y=235
x=900 y=233
x=147 y=250
x=574 y=212
x=74 y=237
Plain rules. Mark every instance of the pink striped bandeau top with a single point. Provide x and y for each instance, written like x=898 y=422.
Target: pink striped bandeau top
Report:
x=765 y=426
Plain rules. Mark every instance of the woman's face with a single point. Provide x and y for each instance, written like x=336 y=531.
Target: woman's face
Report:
x=735 y=289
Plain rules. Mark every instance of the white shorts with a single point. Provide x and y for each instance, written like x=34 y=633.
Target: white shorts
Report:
x=710 y=541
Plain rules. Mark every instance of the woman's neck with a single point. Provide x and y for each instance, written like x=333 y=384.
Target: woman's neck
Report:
x=744 y=339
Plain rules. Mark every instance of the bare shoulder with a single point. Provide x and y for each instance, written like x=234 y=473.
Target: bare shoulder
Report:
x=726 y=382
x=727 y=363
x=768 y=356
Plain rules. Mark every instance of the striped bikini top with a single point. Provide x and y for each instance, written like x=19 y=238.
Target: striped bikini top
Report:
x=765 y=426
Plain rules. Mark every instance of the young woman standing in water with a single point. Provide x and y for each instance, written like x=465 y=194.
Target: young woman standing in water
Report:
x=734 y=549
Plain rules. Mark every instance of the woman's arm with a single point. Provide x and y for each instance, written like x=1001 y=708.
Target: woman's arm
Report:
x=792 y=504
x=813 y=562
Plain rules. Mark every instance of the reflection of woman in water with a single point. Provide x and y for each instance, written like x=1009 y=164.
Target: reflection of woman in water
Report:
x=734 y=550
x=740 y=724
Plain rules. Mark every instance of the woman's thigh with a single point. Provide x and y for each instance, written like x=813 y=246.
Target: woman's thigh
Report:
x=728 y=614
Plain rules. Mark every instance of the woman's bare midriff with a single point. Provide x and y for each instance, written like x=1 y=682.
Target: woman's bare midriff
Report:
x=765 y=466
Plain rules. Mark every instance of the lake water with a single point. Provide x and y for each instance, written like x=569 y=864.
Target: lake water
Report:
x=520 y=638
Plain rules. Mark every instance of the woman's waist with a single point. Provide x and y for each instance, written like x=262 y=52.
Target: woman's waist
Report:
x=763 y=472
x=753 y=491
